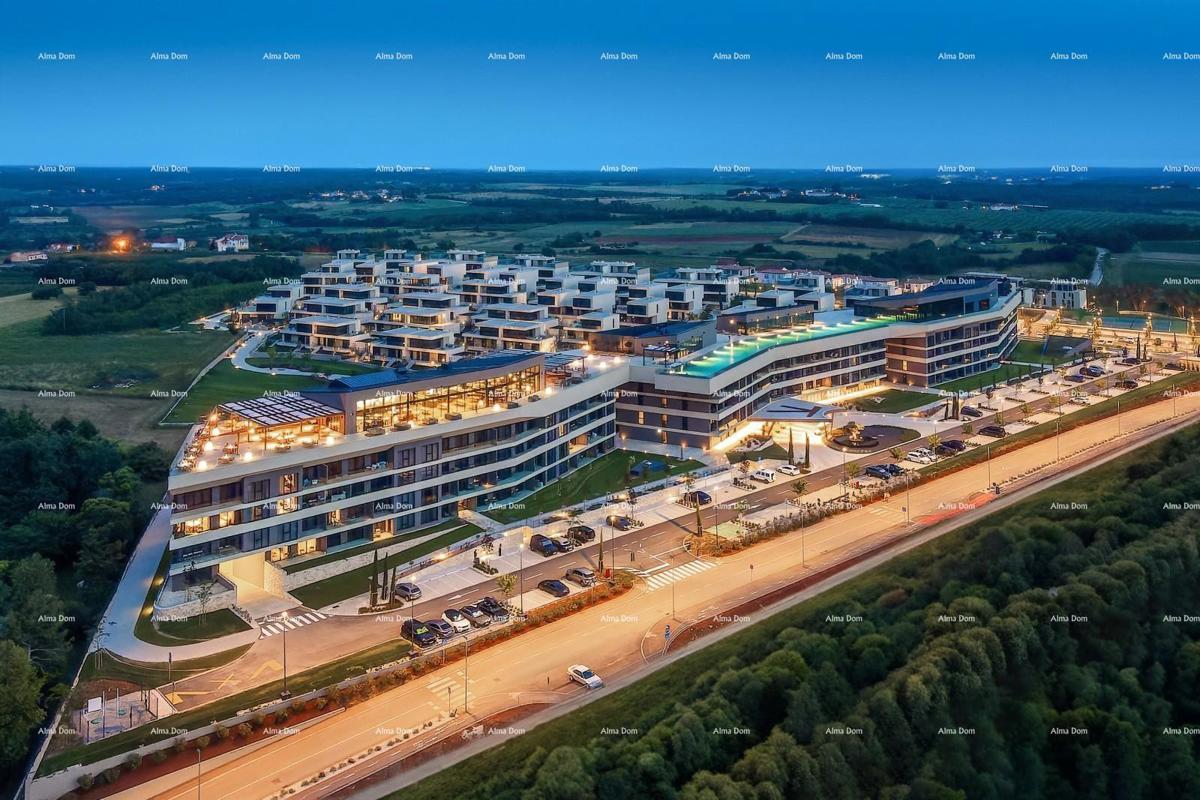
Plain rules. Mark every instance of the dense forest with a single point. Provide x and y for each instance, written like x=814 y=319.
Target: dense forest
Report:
x=72 y=505
x=1043 y=652
x=157 y=296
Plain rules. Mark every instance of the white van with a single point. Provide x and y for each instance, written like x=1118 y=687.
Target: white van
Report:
x=764 y=475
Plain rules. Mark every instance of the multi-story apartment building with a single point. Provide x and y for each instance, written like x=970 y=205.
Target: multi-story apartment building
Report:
x=719 y=287
x=512 y=326
x=368 y=457
x=684 y=300
x=272 y=306
x=644 y=305
x=923 y=339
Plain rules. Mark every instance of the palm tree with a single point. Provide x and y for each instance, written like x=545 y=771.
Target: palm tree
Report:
x=800 y=487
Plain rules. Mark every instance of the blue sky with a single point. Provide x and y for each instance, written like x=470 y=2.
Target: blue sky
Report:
x=562 y=107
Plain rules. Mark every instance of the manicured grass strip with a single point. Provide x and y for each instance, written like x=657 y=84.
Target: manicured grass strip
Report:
x=225 y=383
x=356 y=581
x=215 y=624
x=465 y=528
x=1143 y=395
x=776 y=450
x=307 y=681
x=607 y=474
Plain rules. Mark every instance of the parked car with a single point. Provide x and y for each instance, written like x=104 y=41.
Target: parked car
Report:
x=406 y=591
x=493 y=609
x=456 y=620
x=1092 y=371
x=1173 y=365
x=957 y=445
x=696 y=498
x=443 y=630
x=542 y=545
x=564 y=544
x=581 y=534
x=1129 y=362
x=1077 y=378
x=621 y=523
x=1127 y=384
x=764 y=475
x=555 y=588
x=418 y=633
x=476 y=617
x=789 y=469
x=970 y=411
x=943 y=450
x=994 y=431
x=878 y=471
x=919 y=456
x=584 y=676
x=581 y=575
x=895 y=469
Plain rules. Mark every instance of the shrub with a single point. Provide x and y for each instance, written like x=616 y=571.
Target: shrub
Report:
x=179 y=745
x=112 y=774
x=85 y=781
x=46 y=292
x=158 y=756
x=245 y=729
x=258 y=720
x=297 y=705
x=320 y=703
x=201 y=742
x=221 y=731
x=133 y=760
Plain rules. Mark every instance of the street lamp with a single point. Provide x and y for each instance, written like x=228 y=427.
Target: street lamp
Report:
x=283 y=617
x=198 y=756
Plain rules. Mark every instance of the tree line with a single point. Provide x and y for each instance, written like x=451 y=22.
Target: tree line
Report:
x=72 y=506
x=159 y=296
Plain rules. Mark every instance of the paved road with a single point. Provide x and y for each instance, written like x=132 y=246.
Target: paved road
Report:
x=622 y=638
x=652 y=546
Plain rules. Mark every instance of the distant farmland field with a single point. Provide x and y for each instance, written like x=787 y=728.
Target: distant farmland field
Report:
x=1152 y=268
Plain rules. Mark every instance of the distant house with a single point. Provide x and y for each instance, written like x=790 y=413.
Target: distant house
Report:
x=63 y=247
x=232 y=243
x=169 y=244
x=26 y=257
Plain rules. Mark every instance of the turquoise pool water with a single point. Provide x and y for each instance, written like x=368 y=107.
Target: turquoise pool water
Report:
x=728 y=355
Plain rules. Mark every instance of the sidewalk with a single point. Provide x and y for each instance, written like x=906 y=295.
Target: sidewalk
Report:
x=116 y=629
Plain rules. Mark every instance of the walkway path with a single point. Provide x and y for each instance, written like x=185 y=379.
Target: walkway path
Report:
x=120 y=618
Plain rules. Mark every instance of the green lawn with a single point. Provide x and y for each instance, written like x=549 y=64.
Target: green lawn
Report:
x=215 y=624
x=150 y=674
x=225 y=383
x=775 y=450
x=605 y=475
x=152 y=359
x=893 y=401
x=356 y=581
x=1030 y=351
x=464 y=528
x=312 y=365
x=997 y=376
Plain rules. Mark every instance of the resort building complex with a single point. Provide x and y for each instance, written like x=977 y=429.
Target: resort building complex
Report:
x=495 y=380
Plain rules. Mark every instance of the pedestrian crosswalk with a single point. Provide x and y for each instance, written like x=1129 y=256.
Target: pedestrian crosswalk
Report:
x=668 y=576
x=274 y=625
x=449 y=693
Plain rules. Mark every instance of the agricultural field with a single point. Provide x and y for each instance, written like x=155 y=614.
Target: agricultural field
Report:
x=1148 y=265
x=148 y=359
x=872 y=239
